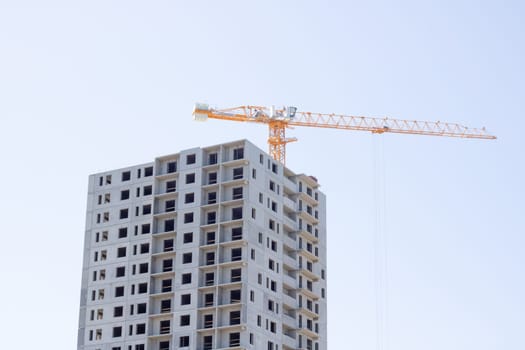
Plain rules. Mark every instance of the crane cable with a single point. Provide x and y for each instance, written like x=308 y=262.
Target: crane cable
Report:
x=380 y=244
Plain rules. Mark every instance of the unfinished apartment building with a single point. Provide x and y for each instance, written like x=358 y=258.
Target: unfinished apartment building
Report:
x=209 y=248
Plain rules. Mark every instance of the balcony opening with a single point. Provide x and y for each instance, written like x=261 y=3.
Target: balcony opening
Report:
x=236 y=254
x=209 y=279
x=165 y=327
x=212 y=197
x=208 y=299
x=166 y=286
x=235 y=339
x=167 y=265
x=169 y=225
x=237 y=213
x=235 y=275
x=235 y=317
x=171 y=186
x=170 y=206
x=212 y=178
x=168 y=245
x=165 y=306
x=212 y=158
x=237 y=173
x=172 y=167
x=235 y=296
x=210 y=258
x=238 y=153
x=207 y=342
x=236 y=233
x=208 y=321
x=210 y=237
x=237 y=193
x=211 y=218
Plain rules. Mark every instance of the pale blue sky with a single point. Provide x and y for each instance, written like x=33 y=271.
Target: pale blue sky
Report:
x=96 y=85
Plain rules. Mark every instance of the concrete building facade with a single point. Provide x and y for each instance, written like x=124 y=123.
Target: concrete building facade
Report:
x=210 y=248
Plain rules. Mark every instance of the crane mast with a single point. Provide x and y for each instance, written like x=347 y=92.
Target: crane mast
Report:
x=279 y=120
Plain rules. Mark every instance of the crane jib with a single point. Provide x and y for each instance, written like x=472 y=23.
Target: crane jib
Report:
x=280 y=119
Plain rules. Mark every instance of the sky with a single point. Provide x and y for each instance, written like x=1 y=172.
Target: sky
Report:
x=89 y=86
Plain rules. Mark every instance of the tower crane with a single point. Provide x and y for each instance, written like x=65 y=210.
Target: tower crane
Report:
x=279 y=120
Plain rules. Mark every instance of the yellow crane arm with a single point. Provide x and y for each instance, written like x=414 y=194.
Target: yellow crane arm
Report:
x=381 y=125
x=280 y=119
